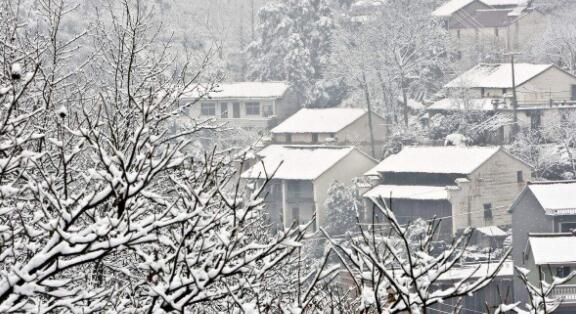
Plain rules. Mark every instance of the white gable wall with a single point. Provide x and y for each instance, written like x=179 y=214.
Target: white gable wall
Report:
x=348 y=168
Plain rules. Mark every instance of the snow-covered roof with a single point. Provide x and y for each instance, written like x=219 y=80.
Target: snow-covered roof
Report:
x=242 y=90
x=457 y=104
x=498 y=75
x=296 y=162
x=477 y=270
x=491 y=231
x=556 y=198
x=327 y=120
x=413 y=192
x=436 y=159
x=450 y=7
x=553 y=248
x=453 y=6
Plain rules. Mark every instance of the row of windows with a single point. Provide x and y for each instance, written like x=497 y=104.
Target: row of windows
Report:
x=252 y=109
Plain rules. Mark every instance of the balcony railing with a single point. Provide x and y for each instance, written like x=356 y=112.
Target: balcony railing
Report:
x=567 y=293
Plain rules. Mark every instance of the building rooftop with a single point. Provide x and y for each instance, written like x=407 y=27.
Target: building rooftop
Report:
x=556 y=198
x=327 y=120
x=552 y=248
x=491 y=231
x=233 y=90
x=453 y=6
x=296 y=162
x=435 y=159
x=498 y=75
x=412 y=192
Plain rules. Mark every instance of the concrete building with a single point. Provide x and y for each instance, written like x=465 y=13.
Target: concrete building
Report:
x=490 y=28
x=247 y=105
x=336 y=126
x=546 y=256
x=542 y=208
x=545 y=93
x=462 y=186
x=301 y=178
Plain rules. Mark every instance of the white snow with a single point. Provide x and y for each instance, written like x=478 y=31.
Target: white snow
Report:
x=478 y=270
x=450 y=7
x=328 y=120
x=555 y=197
x=296 y=162
x=498 y=75
x=438 y=159
x=476 y=104
x=413 y=192
x=491 y=231
x=242 y=90
x=555 y=248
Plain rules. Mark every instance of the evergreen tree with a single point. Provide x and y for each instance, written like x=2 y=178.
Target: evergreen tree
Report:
x=294 y=44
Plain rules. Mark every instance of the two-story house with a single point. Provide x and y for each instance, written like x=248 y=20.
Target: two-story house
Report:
x=461 y=186
x=545 y=93
x=542 y=208
x=335 y=126
x=301 y=176
x=481 y=28
x=546 y=256
x=247 y=105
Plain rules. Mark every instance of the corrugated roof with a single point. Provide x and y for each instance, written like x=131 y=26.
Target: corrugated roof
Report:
x=328 y=120
x=497 y=75
x=504 y=2
x=437 y=159
x=555 y=197
x=412 y=192
x=242 y=90
x=553 y=249
x=296 y=162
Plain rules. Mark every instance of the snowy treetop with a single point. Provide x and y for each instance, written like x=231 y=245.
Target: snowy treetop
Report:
x=440 y=159
x=325 y=120
x=476 y=104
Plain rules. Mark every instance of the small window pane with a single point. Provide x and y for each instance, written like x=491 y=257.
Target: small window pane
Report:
x=208 y=109
x=253 y=108
x=224 y=110
x=519 y=176
x=488 y=211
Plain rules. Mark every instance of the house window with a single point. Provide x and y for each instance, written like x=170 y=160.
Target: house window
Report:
x=223 y=110
x=482 y=92
x=504 y=91
x=488 y=211
x=458 y=34
x=268 y=110
x=496 y=33
x=567 y=226
x=314 y=137
x=563 y=271
x=573 y=93
x=519 y=176
x=296 y=214
x=252 y=108
x=288 y=138
x=208 y=109
x=294 y=190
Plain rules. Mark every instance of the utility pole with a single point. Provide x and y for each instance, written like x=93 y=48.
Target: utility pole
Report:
x=252 y=18
x=514 y=98
x=369 y=105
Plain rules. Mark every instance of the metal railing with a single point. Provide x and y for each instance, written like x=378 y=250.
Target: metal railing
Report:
x=567 y=293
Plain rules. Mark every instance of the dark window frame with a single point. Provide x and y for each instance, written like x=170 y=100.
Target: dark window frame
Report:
x=208 y=109
x=250 y=106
